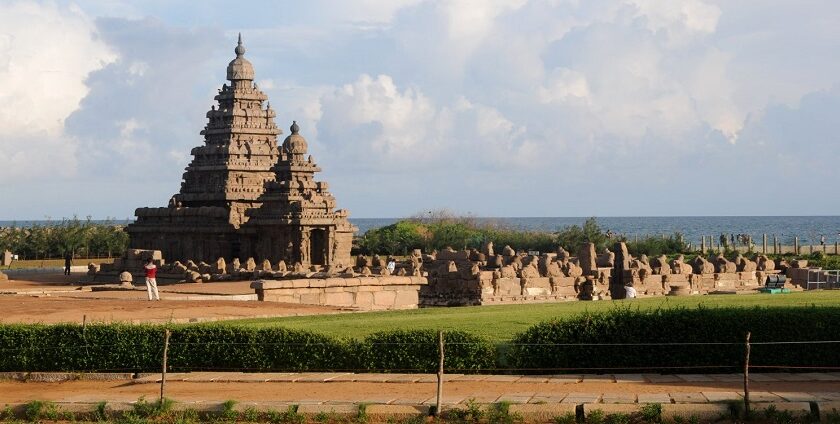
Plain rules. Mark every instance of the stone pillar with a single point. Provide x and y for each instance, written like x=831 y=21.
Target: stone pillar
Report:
x=703 y=244
x=622 y=263
x=764 y=244
x=796 y=245
x=775 y=245
x=586 y=256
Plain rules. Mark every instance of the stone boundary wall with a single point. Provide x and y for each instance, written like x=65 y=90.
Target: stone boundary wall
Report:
x=362 y=293
x=472 y=277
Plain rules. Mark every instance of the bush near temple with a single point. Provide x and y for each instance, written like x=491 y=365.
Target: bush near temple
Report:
x=139 y=348
x=417 y=351
x=544 y=345
x=467 y=233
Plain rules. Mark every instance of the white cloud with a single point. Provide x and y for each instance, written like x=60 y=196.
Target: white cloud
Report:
x=46 y=53
x=540 y=99
x=679 y=18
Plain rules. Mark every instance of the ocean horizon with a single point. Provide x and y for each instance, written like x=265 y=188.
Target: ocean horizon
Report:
x=809 y=229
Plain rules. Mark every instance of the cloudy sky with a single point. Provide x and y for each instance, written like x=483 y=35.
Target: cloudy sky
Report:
x=492 y=107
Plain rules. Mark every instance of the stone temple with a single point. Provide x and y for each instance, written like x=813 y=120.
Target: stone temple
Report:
x=244 y=196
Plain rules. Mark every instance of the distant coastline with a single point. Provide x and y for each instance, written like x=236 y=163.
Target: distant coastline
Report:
x=809 y=229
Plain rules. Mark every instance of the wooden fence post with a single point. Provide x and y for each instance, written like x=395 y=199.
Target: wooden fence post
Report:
x=747 y=377
x=438 y=403
x=163 y=369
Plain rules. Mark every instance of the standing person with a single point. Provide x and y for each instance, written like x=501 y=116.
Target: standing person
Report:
x=822 y=240
x=68 y=261
x=151 y=281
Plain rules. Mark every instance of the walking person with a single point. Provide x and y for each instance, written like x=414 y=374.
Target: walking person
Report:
x=68 y=261
x=151 y=281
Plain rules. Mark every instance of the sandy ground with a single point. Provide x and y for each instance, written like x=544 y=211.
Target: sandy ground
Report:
x=55 y=298
x=124 y=391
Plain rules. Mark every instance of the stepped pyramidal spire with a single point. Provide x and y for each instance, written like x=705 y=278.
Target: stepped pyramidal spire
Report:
x=243 y=195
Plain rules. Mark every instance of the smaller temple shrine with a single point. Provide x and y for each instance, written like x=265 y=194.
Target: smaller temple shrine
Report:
x=243 y=196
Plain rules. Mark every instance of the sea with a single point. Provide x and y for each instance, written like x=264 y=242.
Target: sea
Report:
x=809 y=229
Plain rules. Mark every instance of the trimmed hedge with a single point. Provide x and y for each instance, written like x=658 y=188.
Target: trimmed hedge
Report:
x=138 y=348
x=417 y=351
x=577 y=343
x=537 y=347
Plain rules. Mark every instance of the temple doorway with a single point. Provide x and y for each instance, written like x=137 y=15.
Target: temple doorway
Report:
x=318 y=247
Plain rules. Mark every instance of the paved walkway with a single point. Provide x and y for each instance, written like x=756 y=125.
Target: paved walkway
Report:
x=419 y=389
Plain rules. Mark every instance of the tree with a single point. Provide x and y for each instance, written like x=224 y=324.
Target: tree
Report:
x=572 y=237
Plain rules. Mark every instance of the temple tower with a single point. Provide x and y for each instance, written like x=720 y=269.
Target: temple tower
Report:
x=298 y=221
x=240 y=147
x=241 y=196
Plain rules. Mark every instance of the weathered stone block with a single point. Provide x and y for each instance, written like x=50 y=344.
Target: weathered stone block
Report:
x=406 y=298
x=339 y=299
x=364 y=299
x=384 y=298
x=312 y=299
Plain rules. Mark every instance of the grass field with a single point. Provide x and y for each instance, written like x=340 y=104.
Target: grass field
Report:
x=500 y=323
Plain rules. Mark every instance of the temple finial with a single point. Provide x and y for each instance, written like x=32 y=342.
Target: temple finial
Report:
x=294 y=128
x=240 y=49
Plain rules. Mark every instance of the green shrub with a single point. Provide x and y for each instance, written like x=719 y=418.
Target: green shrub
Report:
x=289 y=416
x=417 y=351
x=251 y=414
x=100 y=412
x=145 y=409
x=35 y=410
x=655 y=246
x=471 y=414
x=651 y=412
x=229 y=410
x=595 y=417
x=567 y=418
x=537 y=347
x=402 y=237
x=102 y=347
x=617 y=418
x=572 y=237
x=499 y=413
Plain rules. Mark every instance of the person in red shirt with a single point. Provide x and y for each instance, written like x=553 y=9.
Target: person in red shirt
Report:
x=151 y=280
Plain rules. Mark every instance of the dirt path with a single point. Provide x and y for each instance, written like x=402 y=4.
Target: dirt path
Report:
x=133 y=307
x=55 y=298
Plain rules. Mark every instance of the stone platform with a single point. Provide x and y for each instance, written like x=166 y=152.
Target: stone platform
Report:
x=362 y=293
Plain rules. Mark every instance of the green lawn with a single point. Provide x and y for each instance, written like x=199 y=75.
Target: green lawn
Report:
x=500 y=323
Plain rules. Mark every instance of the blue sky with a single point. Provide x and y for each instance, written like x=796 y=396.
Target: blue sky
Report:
x=496 y=108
